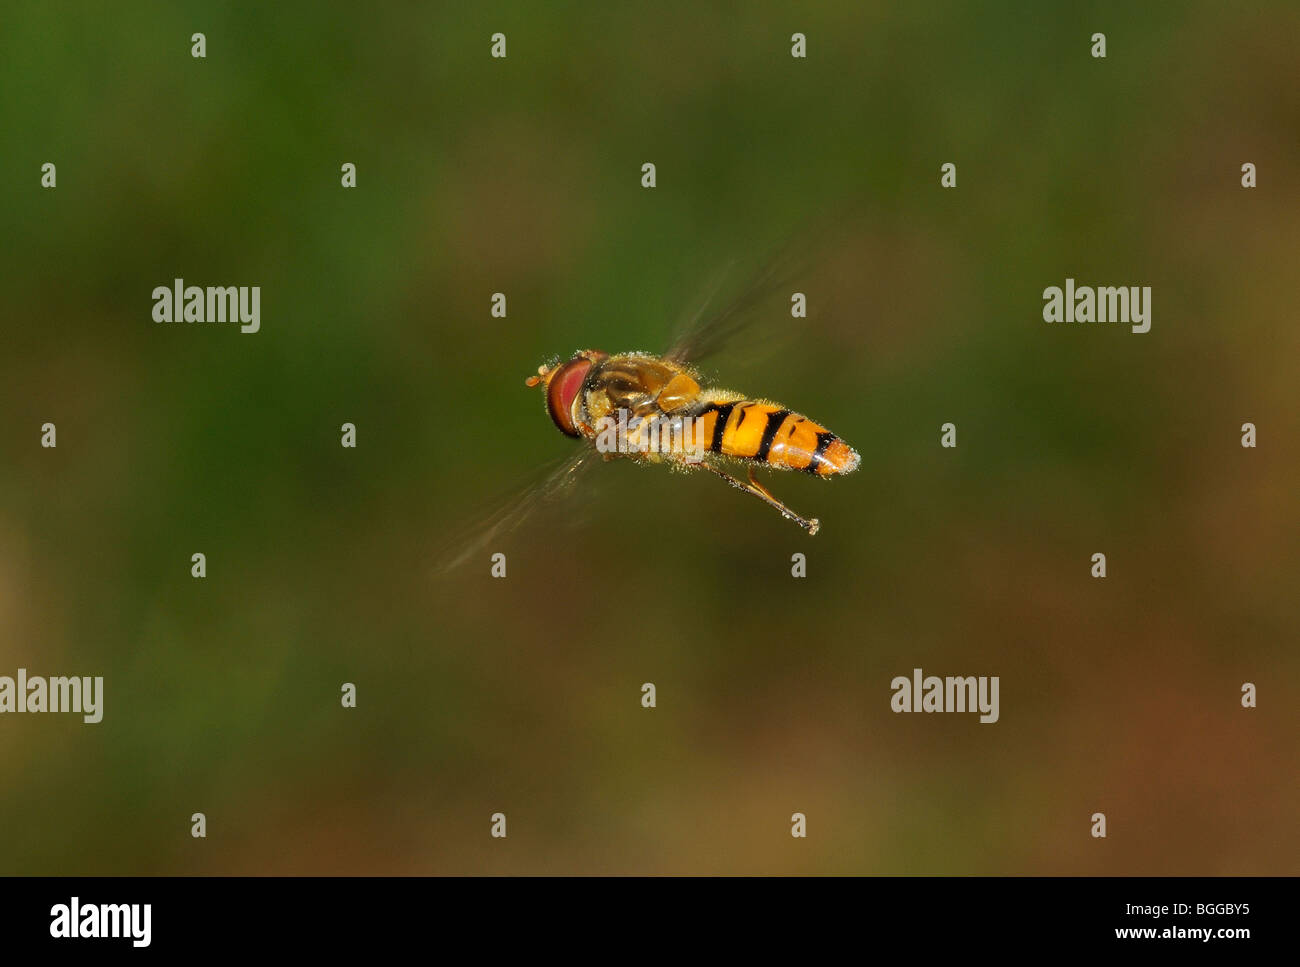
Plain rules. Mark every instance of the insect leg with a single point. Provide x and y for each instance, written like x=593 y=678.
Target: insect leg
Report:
x=763 y=494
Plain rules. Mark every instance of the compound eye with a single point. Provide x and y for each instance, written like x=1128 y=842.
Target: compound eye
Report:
x=562 y=390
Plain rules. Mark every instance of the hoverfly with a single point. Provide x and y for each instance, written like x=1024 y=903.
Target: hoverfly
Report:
x=657 y=410
x=653 y=408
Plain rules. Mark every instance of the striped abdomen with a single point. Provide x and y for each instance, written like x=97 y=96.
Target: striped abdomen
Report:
x=752 y=430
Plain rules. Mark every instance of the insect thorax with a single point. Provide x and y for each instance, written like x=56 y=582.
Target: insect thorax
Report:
x=642 y=385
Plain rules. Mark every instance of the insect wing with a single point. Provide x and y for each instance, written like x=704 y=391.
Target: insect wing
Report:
x=558 y=480
x=709 y=330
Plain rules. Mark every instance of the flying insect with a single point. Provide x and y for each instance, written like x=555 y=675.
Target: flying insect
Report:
x=661 y=410
x=654 y=409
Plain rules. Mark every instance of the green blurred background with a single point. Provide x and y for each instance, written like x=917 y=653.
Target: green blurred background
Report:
x=523 y=695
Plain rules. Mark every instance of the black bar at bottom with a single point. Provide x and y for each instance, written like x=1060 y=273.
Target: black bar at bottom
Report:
x=334 y=916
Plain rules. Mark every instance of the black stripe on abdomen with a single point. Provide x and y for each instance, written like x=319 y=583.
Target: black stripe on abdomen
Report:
x=774 y=421
x=824 y=440
x=720 y=425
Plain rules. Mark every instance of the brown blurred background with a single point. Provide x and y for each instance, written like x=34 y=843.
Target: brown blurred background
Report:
x=522 y=695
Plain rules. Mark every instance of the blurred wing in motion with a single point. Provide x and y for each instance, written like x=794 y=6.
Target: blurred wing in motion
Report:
x=558 y=479
x=709 y=330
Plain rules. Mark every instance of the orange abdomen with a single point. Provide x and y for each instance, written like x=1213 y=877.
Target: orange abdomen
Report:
x=765 y=432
